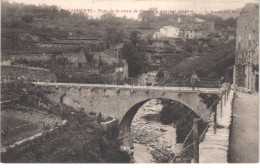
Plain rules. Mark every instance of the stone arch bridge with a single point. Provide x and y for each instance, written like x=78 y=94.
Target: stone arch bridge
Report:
x=123 y=101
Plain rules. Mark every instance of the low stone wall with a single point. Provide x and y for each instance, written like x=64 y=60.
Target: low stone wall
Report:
x=214 y=148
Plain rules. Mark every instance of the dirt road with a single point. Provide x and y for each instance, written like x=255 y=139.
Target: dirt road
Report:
x=244 y=130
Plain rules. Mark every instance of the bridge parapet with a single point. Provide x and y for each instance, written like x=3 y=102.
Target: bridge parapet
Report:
x=133 y=87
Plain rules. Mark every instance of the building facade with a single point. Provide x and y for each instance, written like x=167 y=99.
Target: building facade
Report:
x=187 y=34
x=167 y=31
x=247 y=48
x=195 y=28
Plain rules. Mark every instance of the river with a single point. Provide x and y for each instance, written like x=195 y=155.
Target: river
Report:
x=153 y=141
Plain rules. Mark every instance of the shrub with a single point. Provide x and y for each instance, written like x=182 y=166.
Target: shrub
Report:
x=82 y=140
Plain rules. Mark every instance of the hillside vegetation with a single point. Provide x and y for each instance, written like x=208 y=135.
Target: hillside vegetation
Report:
x=215 y=63
x=22 y=26
x=81 y=140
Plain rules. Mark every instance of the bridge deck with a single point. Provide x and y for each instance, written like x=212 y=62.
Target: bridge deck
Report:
x=165 y=88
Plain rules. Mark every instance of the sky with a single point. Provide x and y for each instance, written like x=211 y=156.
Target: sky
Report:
x=98 y=7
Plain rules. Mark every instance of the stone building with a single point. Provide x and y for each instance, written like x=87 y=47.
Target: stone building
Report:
x=191 y=28
x=187 y=34
x=247 y=48
x=167 y=31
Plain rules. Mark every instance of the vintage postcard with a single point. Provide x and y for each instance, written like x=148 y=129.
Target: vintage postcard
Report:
x=129 y=81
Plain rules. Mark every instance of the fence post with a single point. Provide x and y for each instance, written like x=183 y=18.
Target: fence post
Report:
x=227 y=94
x=221 y=105
x=225 y=98
x=61 y=110
x=196 y=140
x=215 y=121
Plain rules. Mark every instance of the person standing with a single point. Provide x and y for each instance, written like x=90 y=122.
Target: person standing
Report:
x=194 y=80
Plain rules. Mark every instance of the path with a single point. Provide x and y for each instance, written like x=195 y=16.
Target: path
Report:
x=244 y=131
x=214 y=148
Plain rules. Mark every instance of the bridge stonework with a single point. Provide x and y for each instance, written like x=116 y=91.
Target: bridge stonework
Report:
x=123 y=103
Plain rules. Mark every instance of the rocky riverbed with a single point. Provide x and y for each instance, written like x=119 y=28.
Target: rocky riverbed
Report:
x=153 y=141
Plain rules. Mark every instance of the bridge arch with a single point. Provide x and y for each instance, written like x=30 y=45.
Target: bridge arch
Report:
x=117 y=102
x=124 y=135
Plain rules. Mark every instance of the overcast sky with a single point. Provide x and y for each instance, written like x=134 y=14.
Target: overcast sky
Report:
x=198 y=6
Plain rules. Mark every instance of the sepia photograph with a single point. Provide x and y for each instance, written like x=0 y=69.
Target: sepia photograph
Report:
x=129 y=81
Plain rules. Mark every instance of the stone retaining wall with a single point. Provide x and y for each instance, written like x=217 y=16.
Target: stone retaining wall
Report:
x=214 y=148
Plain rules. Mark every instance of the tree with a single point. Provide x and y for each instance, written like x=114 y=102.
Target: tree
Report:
x=110 y=19
x=112 y=37
x=147 y=16
x=134 y=38
x=134 y=54
x=27 y=19
x=89 y=57
x=137 y=63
